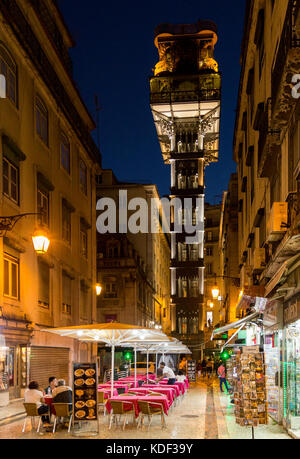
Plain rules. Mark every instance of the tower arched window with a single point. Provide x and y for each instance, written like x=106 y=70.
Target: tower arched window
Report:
x=8 y=68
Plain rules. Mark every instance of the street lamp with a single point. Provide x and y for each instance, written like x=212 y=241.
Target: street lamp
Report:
x=40 y=243
x=98 y=289
x=215 y=292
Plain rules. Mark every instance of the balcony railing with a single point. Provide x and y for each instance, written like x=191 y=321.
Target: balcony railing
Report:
x=289 y=40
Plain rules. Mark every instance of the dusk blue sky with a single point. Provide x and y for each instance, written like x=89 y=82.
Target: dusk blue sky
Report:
x=114 y=57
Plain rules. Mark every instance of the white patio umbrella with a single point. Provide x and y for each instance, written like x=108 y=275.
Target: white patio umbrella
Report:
x=147 y=345
x=168 y=348
x=113 y=334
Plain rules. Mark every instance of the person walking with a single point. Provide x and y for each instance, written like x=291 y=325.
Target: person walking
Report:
x=209 y=368
x=222 y=377
x=203 y=366
x=199 y=368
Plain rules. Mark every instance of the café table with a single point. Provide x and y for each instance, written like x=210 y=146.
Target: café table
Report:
x=115 y=386
x=133 y=399
x=107 y=392
x=182 y=386
x=156 y=387
x=168 y=392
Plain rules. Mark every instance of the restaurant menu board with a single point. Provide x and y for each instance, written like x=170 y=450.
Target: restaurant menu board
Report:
x=85 y=391
x=251 y=407
x=191 y=370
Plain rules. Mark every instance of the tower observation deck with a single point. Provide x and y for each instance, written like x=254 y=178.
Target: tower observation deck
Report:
x=185 y=94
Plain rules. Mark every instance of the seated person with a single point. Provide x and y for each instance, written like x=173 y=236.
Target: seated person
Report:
x=62 y=393
x=180 y=377
x=34 y=395
x=168 y=373
x=52 y=385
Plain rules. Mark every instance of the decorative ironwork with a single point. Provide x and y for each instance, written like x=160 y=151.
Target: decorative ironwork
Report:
x=8 y=223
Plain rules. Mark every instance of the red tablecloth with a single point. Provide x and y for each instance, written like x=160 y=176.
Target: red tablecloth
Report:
x=168 y=392
x=134 y=399
x=181 y=385
x=49 y=401
x=157 y=386
x=107 y=392
x=116 y=386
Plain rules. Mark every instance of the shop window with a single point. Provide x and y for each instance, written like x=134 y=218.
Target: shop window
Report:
x=8 y=69
x=11 y=276
x=10 y=180
x=44 y=285
x=41 y=119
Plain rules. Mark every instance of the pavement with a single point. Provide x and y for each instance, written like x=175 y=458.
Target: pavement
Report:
x=204 y=413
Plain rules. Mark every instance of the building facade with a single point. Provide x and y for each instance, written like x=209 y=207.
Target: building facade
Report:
x=185 y=102
x=267 y=149
x=213 y=311
x=48 y=162
x=133 y=269
x=228 y=251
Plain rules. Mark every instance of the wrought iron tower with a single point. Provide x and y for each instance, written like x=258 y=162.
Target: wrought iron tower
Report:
x=185 y=94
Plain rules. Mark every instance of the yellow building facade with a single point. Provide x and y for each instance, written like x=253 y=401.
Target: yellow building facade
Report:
x=48 y=166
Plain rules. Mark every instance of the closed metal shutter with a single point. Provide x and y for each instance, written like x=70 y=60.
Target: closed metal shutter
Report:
x=48 y=361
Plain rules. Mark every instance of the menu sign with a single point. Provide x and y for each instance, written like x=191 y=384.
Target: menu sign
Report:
x=191 y=370
x=85 y=391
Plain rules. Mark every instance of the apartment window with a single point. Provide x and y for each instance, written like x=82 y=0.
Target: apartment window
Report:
x=66 y=294
x=83 y=176
x=11 y=276
x=65 y=153
x=10 y=180
x=43 y=207
x=209 y=251
x=209 y=236
x=44 y=285
x=83 y=242
x=83 y=300
x=111 y=290
x=259 y=39
x=41 y=119
x=66 y=222
x=209 y=268
x=9 y=69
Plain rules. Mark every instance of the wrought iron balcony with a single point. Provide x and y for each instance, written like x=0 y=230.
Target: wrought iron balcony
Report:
x=170 y=89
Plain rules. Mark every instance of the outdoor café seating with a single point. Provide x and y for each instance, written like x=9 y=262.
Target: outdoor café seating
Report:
x=32 y=412
x=62 y=410
x=118 y=409
x=150 y=409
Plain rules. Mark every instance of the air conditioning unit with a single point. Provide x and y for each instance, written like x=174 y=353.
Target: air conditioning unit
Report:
x=278 y=221
x=259 y=259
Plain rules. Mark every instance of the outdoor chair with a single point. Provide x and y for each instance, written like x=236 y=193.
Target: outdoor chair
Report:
x=118 y=409
x=32 y=412
x=150 y=409
x=62 y=410
x=102 y=401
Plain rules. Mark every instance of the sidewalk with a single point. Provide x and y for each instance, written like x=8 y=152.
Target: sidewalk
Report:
x=12 y=412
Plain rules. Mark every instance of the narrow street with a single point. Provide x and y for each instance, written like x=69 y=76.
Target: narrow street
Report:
x=204 y=413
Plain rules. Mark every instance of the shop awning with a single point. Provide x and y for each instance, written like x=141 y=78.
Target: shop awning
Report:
x=234 y=325
x=287 y=267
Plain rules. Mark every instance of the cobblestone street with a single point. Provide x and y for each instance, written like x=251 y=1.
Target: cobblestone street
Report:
x=204 y=413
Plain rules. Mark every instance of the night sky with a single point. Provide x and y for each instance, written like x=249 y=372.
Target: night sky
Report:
x=114 y=57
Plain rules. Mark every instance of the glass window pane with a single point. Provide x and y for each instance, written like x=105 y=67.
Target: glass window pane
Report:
x=14 y=280
x=6 y=277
